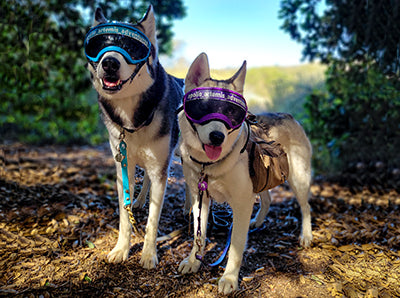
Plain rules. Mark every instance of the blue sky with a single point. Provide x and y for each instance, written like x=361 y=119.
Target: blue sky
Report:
x=231 y=31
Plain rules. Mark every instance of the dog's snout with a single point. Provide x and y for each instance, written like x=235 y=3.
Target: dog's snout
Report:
x=217 y=138
x=110 y=65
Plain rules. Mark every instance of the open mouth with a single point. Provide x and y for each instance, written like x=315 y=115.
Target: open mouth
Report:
x=212 y=152
x=112 y=84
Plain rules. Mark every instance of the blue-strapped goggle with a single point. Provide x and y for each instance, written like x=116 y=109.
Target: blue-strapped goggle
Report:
x=117 y=37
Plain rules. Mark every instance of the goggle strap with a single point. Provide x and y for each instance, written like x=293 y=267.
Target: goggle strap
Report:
x=135 y=72
x=220 y=94
x=248 y=136
x=118 y=50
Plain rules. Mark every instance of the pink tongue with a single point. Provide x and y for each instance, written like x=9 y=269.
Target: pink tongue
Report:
x=213 y=152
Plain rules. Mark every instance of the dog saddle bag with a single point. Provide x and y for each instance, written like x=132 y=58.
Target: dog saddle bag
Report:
x=268 y=164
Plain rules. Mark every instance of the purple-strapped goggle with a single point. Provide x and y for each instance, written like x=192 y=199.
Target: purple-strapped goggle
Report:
x=205 y=104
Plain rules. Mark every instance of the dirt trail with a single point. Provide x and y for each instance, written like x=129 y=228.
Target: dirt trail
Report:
x=58 y=221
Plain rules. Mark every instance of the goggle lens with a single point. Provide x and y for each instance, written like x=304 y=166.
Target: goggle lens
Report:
x=118 y=37
x=202 y=105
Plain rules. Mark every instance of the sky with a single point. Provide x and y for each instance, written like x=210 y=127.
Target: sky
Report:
x=231 y=31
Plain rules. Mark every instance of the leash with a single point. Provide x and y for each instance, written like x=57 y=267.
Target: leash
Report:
x=202 y=187
x=228 y=244
x=122 y=157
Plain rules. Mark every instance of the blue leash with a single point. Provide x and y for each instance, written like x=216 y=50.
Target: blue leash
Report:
x=228 y=243
x=125 y=178
x=122 y=157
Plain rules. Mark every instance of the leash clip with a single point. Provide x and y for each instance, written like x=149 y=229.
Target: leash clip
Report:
x=119 y=157
x=202 y=185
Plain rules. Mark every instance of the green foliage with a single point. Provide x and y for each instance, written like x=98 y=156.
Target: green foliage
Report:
x=357 y=119
x=45 y=89
x=133 y=10
x=361 y=30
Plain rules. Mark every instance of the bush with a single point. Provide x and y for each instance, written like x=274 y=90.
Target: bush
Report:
x=357 y=121
x=45 y=92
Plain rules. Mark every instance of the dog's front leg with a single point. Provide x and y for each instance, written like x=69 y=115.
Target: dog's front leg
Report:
x=188 y=200
x=158 y=180
x=121 y=249
x=241 y=219
x=191 y=264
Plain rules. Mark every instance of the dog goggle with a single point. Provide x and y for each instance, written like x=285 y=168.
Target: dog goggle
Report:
x=205 y=104
x=117 y=37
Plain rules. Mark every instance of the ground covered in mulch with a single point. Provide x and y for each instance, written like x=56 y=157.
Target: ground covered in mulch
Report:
x=59 y=219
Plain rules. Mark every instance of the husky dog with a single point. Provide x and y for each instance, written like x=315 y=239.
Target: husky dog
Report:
x=138 y=102
x=213 y=136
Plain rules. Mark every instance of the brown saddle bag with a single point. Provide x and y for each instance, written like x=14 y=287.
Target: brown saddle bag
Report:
x=268 y=163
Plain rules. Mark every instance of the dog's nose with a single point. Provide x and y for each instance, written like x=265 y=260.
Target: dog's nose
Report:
x=110 y=65
x=216 y=137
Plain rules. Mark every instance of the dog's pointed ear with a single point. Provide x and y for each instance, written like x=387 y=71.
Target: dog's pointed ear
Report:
x=198 y=72
x=99 y=17
x=148 y=23
x=238 y=78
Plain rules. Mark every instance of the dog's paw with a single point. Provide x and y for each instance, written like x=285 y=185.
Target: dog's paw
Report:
x=118 y=255
x=187 y=266
x=306 y=239
x=149 y=261
x=227 y=284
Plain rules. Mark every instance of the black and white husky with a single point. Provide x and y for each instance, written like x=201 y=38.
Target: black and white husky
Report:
x=215 y=164
x=138 y=102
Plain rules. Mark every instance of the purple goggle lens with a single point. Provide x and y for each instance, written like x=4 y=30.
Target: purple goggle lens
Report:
x=206 y=104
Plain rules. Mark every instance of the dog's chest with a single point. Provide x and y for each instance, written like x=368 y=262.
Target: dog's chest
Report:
x=217 y=190
x=230 y=186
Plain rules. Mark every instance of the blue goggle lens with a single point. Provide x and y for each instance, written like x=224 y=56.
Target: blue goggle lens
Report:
x=126 y=40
